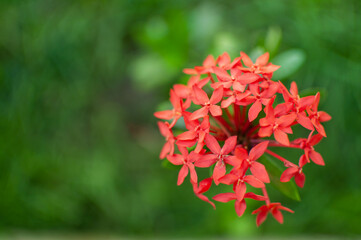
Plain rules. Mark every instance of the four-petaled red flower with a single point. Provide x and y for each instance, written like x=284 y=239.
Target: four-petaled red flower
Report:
x=187 y=161
x=219 y=156
x=274 y=208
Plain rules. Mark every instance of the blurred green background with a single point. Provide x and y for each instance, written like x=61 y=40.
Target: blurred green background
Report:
x=80 y=80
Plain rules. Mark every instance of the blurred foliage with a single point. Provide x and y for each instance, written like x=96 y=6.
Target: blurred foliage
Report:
x=79 y=81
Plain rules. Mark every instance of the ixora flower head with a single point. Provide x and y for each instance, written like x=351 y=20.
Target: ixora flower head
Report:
x=234 y=114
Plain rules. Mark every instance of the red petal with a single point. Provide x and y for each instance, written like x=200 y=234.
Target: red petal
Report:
x=270 y=68
x=240 y=88
x=288 y=174
x=263 y=59
x=190 y=71
x=232 y=160
x=254 y=196
x=206 y=161
x=287 y=130
x=277 y=215
x=182 y=174
x=248 y=78
x=240 y=207
x=200 y=95
x=258 y=150
x=227 y=102
x=165 y=150
x=319 y=127
x=303 y=160
x=286 y=209
x=218 y=172
x=204 y=185
x=253 y=181
x=228 y=179
x=241 y=153
x=194 y=177
x=212 y=144
x=306 y=101
x=186 y=143
x=315 y=139
x=300 y=179
x=215 y=110
x=189 y=135
x=222 y=74
x=224 y=197
x=287 y=120
x=204 y=198
x=164 y=129
x=254 y=110
x=315 y=102
x=199 y=113
x=203 y=82
x=305 y=121
x=293 y=89
x=175 y=100
x=265 y=131
x=281 y=137
x=224 y=59
x=246 y=60
x=229 y=145
x=324 y=117
x=261 y=217
x=260 y=172
x=167 y=114
x=240 y=190
x=181 y=90
x=316 y=158
x=217 y=95
x=209 y=61
x=235 y=62
x=176 y=159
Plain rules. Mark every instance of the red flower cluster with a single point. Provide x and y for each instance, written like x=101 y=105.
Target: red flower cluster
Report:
x=233 y=116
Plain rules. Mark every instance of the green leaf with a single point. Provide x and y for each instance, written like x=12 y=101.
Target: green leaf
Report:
x=150 y=71
x=290 y=62
x=274 y=170
x=273 y=39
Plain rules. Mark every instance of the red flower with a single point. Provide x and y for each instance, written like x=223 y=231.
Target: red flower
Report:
x=203 y=187
x=219 y=156
x=296 y=172
x=168 y=147
x=237 y=79
x=318 y=116
x=209 y=105
x=260 y=98
x=274 y=208
x=260 y=66
x=174 y=114
x=208 y=63
x=186 y=92
x=187 y=161
x=242 y=91
x=240 y=204
x=278 y=126
x=197 y=132
x=250 y=161
x=307 y=146
x=298 y=103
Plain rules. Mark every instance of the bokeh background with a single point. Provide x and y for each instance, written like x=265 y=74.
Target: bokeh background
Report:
x=80 y=80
